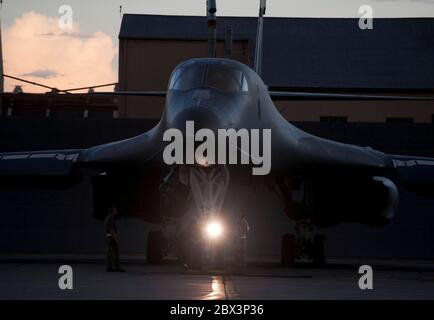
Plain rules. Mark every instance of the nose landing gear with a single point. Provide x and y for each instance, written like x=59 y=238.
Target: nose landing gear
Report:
x=209 y=186
x=202 y=241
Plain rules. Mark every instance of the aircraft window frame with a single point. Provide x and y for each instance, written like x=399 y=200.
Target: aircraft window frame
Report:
x=174 y=76
x=244 y=84
x=177 y=75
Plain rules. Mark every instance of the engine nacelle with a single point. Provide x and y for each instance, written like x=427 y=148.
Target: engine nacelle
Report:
x=371 y=201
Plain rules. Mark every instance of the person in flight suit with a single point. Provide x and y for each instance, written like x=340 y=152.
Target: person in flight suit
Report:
x=242 y=230
x=113 y=261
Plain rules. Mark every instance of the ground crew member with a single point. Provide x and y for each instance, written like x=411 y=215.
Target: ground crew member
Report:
x=242 y=230
x=113 y=261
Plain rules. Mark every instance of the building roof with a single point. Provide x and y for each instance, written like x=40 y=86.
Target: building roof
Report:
x=317 y=52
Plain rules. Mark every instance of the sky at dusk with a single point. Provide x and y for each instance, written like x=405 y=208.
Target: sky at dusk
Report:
x=37 y=49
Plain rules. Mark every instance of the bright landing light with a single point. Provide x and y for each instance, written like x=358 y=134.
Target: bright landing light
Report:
x=214 y=230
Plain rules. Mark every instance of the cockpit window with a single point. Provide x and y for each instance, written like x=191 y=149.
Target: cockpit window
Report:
x=220 y=77
x=187 y=78
x=225 y=79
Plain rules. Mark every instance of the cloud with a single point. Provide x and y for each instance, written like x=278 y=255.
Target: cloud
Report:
x=62 y=58
x=45 y=74
x=66 y=34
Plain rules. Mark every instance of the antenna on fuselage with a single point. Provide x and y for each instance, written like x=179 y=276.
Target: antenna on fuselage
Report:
x=229 y=42
x=259 y=37
x=211 y=10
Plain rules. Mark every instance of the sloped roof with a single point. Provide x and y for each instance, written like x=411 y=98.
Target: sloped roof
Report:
x=317 y=52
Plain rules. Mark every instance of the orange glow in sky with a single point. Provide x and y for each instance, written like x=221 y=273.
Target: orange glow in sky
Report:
x=37 y=49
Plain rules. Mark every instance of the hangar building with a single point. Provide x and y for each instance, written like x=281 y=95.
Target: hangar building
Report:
x=299 y=54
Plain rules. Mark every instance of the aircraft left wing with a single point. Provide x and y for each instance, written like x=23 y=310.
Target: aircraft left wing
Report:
x=39 y=169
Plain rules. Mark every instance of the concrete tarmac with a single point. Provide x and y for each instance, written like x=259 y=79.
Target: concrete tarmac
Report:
x=39 y=280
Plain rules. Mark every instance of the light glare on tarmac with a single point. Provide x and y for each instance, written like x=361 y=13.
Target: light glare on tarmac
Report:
x=218 y=289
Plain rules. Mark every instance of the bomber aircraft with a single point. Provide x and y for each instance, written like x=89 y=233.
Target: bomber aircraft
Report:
x=219 y=126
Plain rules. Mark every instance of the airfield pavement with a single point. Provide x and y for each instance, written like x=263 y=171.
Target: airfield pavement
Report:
x=38 y=279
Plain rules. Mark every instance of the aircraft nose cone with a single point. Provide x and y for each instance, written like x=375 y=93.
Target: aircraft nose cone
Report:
x=203 y=118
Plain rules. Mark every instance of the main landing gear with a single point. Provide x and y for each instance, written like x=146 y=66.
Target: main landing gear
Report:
x=303 y=246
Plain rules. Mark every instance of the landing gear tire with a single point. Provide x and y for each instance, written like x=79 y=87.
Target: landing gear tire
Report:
x=289 y=250
x=319 y=251
x=155 y=247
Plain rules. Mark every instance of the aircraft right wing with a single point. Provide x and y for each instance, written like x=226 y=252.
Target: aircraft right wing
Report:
x=57 y=169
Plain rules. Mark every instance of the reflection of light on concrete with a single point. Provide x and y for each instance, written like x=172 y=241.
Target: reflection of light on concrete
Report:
x=218 y=289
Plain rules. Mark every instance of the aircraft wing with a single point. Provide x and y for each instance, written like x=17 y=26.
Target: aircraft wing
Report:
x=416 y=174
x=60 y=168
x=53 y=169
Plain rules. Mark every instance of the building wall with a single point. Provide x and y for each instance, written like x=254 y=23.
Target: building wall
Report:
x=82 y=106
x=358 y=111
x=148 y=64
x=29 y=105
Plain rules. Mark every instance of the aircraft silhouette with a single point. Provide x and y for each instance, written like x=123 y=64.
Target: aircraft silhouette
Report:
x=321 y=182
